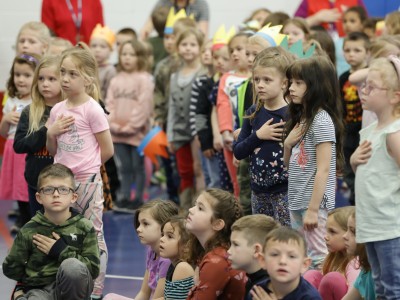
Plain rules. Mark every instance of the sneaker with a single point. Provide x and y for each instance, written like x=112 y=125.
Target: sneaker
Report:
x=96 y=297
x=13 y=213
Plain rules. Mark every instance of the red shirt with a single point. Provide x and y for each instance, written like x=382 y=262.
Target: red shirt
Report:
x=57 y=16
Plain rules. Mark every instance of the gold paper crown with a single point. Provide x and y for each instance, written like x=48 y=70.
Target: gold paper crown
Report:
x=105 y=33
x=272 y=34
x=222 y=37
x=172 y=18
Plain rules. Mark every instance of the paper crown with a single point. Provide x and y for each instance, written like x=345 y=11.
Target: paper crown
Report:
x=153 y=144
x=172 y=18
x=272 y=34
x=250 y=25
x=105 y=33
x=297 y=48
x=222 y=37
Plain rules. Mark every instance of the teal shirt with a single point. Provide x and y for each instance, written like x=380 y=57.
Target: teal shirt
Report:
x=365 y=285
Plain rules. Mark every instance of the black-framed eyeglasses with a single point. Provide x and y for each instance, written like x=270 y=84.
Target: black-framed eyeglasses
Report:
x=366 y=88
x=62 y=190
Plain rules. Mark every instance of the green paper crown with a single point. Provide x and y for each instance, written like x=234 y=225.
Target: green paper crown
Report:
x=297 y=48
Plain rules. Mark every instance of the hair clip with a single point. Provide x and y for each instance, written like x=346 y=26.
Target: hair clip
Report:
x=29 y=58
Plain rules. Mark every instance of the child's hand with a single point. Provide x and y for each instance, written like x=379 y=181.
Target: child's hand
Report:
x=44 y=243
x=361 y=155
x=61 y=125
x=171 y=147
x=236 y=133
x=12 y=117
x=310 y=221
x=294 y=136
x=271 y=132
x=218 y=142
x=227 y=138
x=208 y=153
x=258 y=293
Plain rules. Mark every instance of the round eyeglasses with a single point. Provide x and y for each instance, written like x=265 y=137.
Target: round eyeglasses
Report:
x=62 y=190
x=366 y=88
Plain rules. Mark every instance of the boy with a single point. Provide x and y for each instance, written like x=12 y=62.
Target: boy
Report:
x=159 y=18
x=247 y=237
x=55 y=255
x=285 y=259
x=355 y=49
x=124 y=35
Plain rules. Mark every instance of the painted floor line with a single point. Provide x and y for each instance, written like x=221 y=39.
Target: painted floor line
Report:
x=124 y=277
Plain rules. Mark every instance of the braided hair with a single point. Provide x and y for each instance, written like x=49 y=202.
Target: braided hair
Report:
x=225 y=207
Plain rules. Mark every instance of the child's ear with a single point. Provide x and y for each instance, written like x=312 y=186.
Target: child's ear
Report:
x=37 y=195
x=74 y=197
x=257 y=249
x=218 y=224
x=285 y=84
x=306 y=264
x=396 y=98
x=261 y=260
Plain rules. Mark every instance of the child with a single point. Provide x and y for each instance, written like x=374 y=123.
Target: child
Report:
x=392 y=21
x=355 y=48
x=285 y=259
x=130 y=103
x=159 y=18
x=297 y=29
x=55 y=255
x=148 y=221
x=313 y=148
x=12 y=183
x=33 y=37
x=174 y=239
x=353 y=19
x=226 y=99
x=78 y=136
x=363 y=287
x=188 y=44
x=339 y=270
x=30 y=137
x=261 y=135
x=247 y=239
x=210 y=222
x=102 y=43
x=57 y=45
x=124 y=35
x=376 y=163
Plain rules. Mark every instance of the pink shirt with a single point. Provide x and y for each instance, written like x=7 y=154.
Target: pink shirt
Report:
x=78 y=148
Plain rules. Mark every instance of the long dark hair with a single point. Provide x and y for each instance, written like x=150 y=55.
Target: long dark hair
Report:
x=322 y=92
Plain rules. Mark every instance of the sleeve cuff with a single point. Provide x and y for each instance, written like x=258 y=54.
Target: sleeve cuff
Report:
x=57 y=248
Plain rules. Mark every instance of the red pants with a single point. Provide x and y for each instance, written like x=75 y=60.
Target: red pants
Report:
x=184 y=162
x=232 y=171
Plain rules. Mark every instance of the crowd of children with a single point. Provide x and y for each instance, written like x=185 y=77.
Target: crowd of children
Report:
x=263 y=126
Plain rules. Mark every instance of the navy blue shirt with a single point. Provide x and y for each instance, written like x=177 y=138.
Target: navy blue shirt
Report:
x=258 y=278
x=304 y=291
x=267 y=172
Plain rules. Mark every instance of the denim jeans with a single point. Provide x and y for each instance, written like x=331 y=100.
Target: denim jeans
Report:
x=383 y=257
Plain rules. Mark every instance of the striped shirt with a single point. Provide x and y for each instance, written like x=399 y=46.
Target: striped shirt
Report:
x=303 y=165
x=177 y=289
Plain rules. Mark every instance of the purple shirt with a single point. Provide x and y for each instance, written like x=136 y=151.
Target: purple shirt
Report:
x=156 y=266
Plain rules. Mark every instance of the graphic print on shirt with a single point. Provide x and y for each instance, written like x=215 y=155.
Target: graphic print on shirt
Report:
x=70 y=140
x=352 y=103
x=300 y=155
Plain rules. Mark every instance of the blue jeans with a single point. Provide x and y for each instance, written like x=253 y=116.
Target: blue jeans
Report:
x=212 y=164
x=383 y=257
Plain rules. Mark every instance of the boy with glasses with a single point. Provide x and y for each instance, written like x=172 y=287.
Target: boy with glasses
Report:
x=55 y=255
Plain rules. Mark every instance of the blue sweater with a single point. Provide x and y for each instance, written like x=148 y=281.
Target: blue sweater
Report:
x=267 y=172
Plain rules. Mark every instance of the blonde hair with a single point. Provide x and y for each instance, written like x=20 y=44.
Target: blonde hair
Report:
x=188 y=32
x=43 y=32
x=86 y=66
x=60 y=42
x=38 y=105
x=273 y=57
x=338 y=261
x=392 y=22
x=380 y=46
x=258 y=40
x=255 y=227
x=299 y=23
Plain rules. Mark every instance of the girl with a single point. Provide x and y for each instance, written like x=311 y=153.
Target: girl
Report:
x=297 y=30
x=261 y=134
x=148 y=221
x=78 y=136
x=392 y=26
x=188 y=44
x=174 y=239
x=313 y=148
x=210 y=222
x=130 y=103
x=33 y=37
x=376 y=163
x=363 y=287
x=226 y=100
x=12 y=183
x=30 y=137
x=339 y=270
